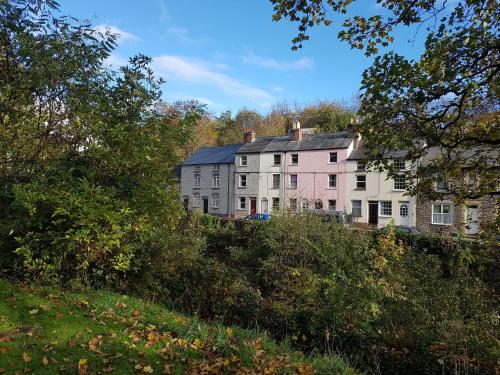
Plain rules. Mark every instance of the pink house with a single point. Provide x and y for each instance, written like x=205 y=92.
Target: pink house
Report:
x=316 y=179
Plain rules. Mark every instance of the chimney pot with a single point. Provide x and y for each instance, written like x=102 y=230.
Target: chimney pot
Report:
x=249 y=136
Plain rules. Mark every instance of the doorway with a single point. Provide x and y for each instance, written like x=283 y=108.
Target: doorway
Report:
x=205 y=205
x=253 y=206
x=472 y=224
x=373 y=213
x=404 y=213
x=264 y=206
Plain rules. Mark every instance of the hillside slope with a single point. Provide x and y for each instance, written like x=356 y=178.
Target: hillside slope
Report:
x=49 y=331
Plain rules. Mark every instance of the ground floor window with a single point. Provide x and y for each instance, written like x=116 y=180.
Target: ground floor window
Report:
x=215 y=201
x=293 y=204
x=385 y=208
x=276 y=203
x=441 y=214
x=305 y=204
x=332 y=205
x=196 y=200
x=242 y=203
x=318 y=204
x=356 y=208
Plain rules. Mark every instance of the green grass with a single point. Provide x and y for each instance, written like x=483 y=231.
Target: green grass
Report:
x=43 y=330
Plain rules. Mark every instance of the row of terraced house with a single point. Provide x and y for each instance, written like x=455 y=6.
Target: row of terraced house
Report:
x=307 y=171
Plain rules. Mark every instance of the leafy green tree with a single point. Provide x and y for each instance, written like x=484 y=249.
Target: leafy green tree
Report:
x=448 y=98
x=86 y=158
x=328 y=117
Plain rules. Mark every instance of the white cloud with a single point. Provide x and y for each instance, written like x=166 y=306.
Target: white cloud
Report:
x=265 y=62
x=183 y=35
x=177 y=67
x=115 y=61
x=278 y=88
x=124 y=36
x=164 y=14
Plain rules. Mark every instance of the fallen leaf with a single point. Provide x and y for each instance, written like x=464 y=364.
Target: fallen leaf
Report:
x=147 y=370
x=83 y=366
x=59 y=315
x=107 y=369
x=33 y=312
x=26 y=357
x=229 y=331
x=45 y=361
x=4 y=349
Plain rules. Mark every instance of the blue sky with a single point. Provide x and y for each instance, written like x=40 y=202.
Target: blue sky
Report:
x=229 y=54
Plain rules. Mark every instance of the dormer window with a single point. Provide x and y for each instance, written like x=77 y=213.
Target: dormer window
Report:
x=243 y=160
x=441 y=184
x=295 y=159
x=360 y=166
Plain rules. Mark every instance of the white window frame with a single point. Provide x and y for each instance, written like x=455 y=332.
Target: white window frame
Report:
x=334 y=179
x=383 y=208
x=197 y=169
x=355 y=214
x=243 y=160
x=440 y=176
x=441 y=213
x=216 y=168
x=330 y=158
x=292 y=186
x=360 y=166
x=397 y=184
x=196 y=199
x=215 y=200
x=334 y=205
x=216 y=181
x=357 y=186
x=291 y=159
x=197 y=181
x=242 y=178
x=399 y=164
x=279 y=181
x=242 y=203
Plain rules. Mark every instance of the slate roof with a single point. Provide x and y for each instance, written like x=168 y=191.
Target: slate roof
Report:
x=360 y=154
x=308 y=142
x=213 y=155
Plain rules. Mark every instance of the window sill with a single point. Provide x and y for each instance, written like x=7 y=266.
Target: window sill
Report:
x=360 y=189
x=386 y=216
x=399 y=190
x=292 y=188
x=441 y=224
x=242 y=187
x=331 y=188
x=215 y=187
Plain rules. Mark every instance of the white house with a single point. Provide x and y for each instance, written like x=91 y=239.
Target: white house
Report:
x=373 y=198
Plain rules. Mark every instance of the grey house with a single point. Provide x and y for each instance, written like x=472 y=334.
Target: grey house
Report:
x=207 y=180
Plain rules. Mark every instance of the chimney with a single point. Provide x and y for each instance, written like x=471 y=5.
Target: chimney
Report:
x=352 y=132
x=295 y=132
x=248 y=136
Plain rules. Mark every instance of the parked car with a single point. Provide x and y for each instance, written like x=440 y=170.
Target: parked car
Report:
x=338 y=216
x=256 y=217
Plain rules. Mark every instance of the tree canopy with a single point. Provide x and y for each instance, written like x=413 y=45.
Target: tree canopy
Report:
x=448 y=98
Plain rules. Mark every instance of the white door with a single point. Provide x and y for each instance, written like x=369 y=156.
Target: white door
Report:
x=404 y=213
x=263 y=206
x=472 y=225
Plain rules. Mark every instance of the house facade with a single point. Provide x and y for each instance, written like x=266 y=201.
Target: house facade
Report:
x=297 y=172
x=374 y=199
x=445 y=217
x=208 y=180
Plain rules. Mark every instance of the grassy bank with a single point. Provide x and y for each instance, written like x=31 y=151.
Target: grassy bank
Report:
x=43 y=330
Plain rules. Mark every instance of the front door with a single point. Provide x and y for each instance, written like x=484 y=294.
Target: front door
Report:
x=253 y=206
x=404 y=213
x=264 y=206
x=373 y=213
x=472 y=226
x=205 y=205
